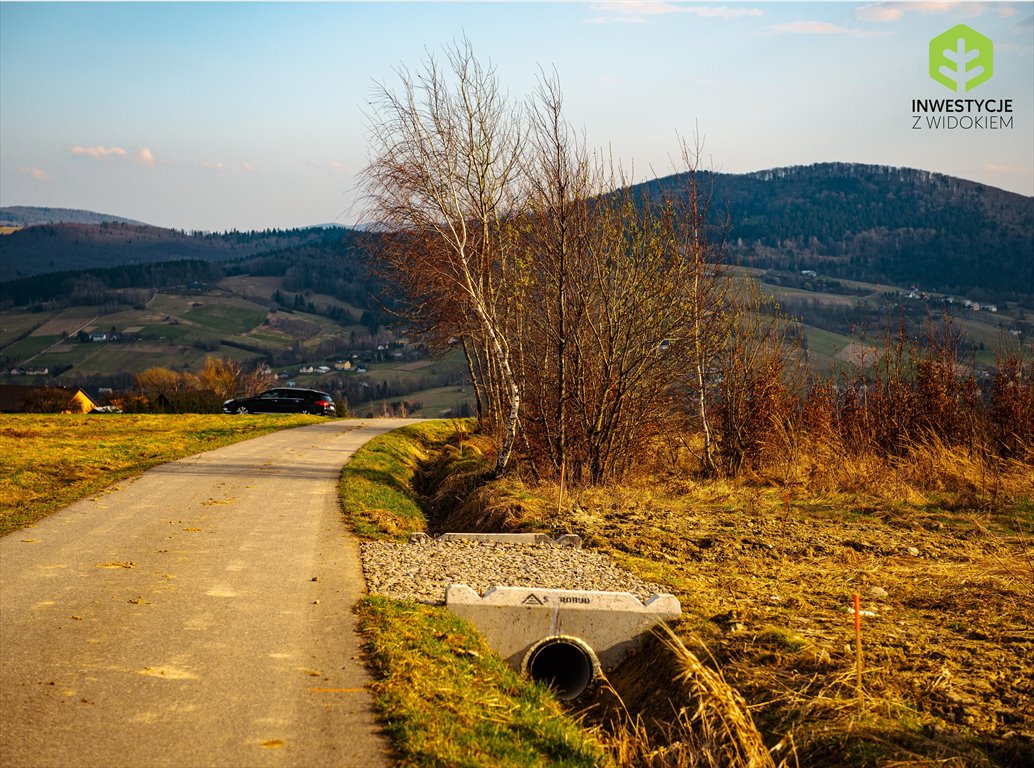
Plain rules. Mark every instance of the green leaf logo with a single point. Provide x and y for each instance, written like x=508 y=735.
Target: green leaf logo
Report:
x=961 y=58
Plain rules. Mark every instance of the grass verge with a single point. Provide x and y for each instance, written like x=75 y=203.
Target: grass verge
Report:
x=378 y=486
x=448 y=700
x=49 y=461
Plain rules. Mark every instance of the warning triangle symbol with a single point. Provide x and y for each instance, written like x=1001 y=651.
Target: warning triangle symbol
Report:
x=531 y=600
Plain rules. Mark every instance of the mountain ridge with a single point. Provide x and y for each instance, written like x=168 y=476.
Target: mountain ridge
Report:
x=877 y=223
x=887 y=224
x=30 y=216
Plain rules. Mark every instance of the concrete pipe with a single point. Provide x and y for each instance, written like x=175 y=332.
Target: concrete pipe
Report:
x=566 y=664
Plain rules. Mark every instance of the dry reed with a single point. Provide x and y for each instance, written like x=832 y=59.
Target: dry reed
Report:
x=718 y=733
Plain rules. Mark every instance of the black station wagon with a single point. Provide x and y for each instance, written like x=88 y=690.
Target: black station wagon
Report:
x=284 y=400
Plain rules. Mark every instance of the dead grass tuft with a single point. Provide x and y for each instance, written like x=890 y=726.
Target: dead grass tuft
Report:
x=707 y=725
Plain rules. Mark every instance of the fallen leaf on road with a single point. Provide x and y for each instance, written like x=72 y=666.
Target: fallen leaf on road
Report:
x=167 y=673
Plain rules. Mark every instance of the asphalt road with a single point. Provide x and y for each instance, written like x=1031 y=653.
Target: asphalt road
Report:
x=199 y=615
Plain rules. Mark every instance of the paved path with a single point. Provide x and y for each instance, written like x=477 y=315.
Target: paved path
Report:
x=200 y=615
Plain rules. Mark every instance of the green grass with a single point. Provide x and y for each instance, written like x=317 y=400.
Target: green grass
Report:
x=436 y=402
x=275 y=339
x=50 y=461
x=448 y=700
x=170 y=332
x=29 y=346
x=226 y=317
x=825 y=342
x=376 y=488
x=16 y=324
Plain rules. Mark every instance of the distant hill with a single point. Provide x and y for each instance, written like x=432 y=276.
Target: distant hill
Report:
x=880 y=224
x=317 y=260
x=28 y=216
x=67 y=247
x=896 y=226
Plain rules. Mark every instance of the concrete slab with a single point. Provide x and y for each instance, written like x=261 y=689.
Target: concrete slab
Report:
x=514 y=620
x=535 y=539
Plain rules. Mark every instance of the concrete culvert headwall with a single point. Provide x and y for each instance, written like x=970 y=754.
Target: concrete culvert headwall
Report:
x=566 y=664
x=562 y=637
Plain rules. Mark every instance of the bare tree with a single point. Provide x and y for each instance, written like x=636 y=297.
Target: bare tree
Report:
x=581 y=304
x=559 y=185
x=444 y=175
x=703 y=238
x=759 y=376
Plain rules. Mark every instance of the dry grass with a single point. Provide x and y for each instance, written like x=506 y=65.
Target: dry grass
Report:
x=938 y=546
x=49 y=461
x=937 y=543
x=929 y=468
x=711 y=725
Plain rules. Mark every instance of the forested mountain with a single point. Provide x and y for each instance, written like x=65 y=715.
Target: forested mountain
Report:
x=29 y=216
x=66 y=247
x=892 y=225
x=327 y=261
x=333 y=264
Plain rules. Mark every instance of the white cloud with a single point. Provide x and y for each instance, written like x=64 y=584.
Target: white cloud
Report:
x=333 y=166
x=37 y=173
x=810 y=28
x=723 y=12
x=98 y=152
x=820 y=28
x=637 y=11
x=635 y=8
x=942 y=7
x=881 y=12
x=146 y=157
x=892 y=11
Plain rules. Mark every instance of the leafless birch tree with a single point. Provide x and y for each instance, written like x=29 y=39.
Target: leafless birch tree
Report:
x=583 y=305
x=443 y=175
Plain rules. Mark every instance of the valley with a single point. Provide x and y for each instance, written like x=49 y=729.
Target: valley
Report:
x=851 y=253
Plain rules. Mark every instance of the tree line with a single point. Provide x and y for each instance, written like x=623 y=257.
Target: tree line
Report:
x=107 y=285
x=597 y=316
x=590 y=315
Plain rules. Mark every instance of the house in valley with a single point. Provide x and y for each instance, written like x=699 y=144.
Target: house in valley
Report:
x=15 y=398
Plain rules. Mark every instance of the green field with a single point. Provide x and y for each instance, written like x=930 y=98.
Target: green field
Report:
x=169 y=332
x=227 y=319
x=14 y=325
x=177 y=332
x=270 y=338
x=29 y=347
x=67 y=353
x=436 y=403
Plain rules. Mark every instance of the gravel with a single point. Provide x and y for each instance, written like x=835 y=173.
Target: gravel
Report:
x=421 y=572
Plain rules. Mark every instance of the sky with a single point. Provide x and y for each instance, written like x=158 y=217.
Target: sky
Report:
x=220 y=116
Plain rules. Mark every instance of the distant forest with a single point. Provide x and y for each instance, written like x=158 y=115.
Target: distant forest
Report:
x=875 y=223
x=894 y=226
x=331 y=264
